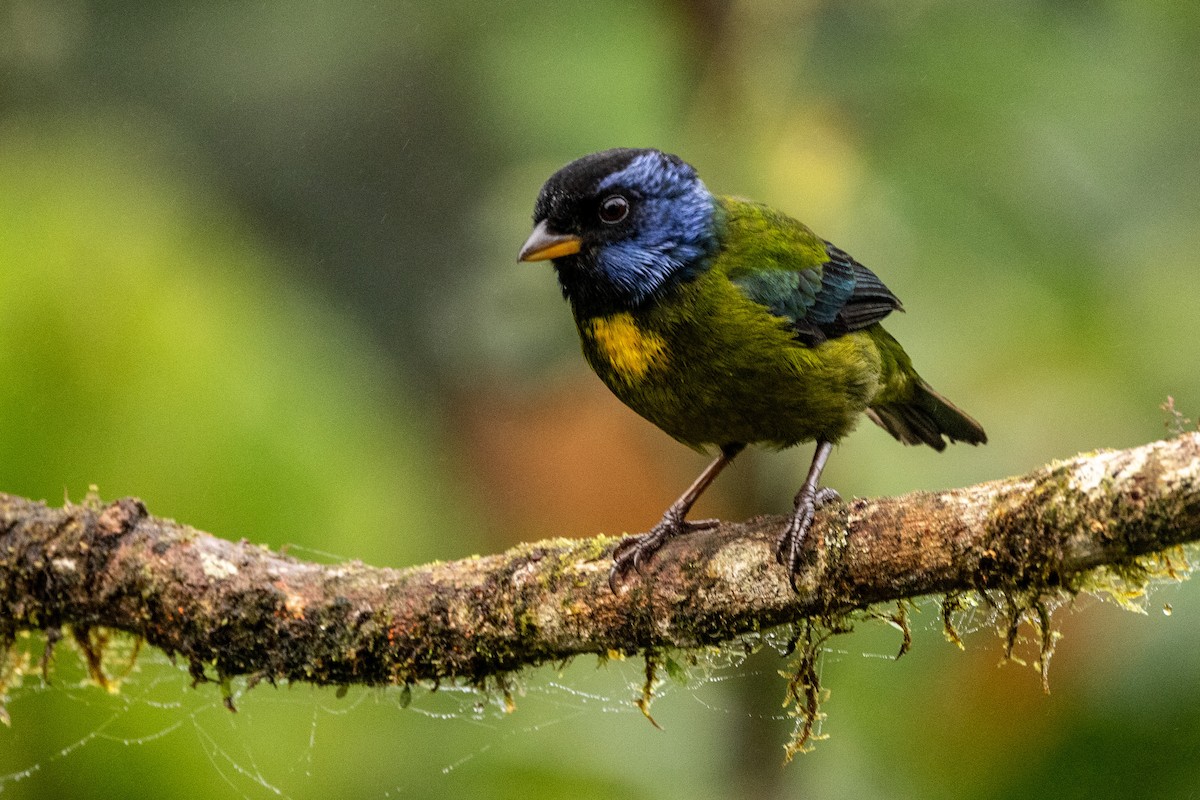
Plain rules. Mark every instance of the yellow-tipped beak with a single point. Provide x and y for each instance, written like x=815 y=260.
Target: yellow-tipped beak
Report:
x=544 y=243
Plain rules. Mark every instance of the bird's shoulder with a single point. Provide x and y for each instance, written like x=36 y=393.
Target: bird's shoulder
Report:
x=756 y=238
x=780 y=263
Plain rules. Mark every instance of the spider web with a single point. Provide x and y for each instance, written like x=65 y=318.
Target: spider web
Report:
x=295 y=741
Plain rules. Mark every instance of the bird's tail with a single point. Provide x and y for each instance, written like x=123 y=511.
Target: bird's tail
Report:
x=925 y=417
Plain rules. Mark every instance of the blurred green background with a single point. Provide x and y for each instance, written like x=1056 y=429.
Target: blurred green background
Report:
x=257 y=266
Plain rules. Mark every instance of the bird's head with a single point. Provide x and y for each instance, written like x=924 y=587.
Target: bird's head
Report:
x=622 y=226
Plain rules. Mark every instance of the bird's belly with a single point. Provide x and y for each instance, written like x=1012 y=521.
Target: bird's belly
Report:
x=709 y=387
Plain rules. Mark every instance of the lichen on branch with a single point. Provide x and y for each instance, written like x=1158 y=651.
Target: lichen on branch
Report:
x=237 y=609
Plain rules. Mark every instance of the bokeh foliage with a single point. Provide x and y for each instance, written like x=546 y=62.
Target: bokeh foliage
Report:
x=256 y=267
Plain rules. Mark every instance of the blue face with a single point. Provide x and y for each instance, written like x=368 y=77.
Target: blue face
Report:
x=644 y=220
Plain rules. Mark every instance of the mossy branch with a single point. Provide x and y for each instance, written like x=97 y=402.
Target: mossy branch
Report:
x=234 y=608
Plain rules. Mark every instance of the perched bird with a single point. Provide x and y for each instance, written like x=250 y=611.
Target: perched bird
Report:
x=726 y=323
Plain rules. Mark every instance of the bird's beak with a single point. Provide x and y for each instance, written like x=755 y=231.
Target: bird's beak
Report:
x=544 y=243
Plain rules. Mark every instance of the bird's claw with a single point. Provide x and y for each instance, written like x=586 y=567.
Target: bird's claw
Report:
x=791 y=542
x=636 y=551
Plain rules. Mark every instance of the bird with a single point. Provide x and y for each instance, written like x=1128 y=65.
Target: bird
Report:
x=726 y=323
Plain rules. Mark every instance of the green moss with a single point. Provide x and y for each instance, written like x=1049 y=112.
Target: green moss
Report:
x=804 y=693
x=953 y=603
x=1127 y=584
x=14 y=662
x=648 y=686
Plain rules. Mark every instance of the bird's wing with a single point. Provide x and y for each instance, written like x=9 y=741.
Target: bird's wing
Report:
x=778 y=262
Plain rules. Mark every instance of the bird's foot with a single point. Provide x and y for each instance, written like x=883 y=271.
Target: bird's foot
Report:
x=791 y=542
x=635 y=551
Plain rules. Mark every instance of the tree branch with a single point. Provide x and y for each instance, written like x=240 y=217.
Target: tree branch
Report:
x=240 y=609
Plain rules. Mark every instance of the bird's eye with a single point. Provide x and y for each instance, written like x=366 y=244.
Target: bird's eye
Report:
x=613 y=209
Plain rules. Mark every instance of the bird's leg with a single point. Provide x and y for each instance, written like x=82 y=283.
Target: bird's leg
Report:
x=635 y=551
x=808 y=500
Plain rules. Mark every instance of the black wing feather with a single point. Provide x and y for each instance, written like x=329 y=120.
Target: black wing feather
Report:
x=869 y=300
x=851 y=298
x=824 y=301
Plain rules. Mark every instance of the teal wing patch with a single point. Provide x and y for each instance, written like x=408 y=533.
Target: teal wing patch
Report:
x=824 y=301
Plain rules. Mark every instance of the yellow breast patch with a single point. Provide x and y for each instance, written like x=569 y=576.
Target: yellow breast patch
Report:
x=628 y=349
